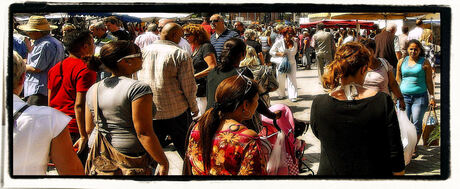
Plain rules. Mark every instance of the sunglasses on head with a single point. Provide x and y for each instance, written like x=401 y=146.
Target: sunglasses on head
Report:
x=130 y=56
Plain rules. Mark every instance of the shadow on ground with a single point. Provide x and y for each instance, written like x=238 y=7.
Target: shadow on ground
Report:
x=427 y=163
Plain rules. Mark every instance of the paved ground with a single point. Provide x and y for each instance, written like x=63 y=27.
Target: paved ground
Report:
x=427 y=163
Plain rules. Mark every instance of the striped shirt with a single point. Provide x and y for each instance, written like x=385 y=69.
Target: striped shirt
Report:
x=168 y=70
x=218 y=42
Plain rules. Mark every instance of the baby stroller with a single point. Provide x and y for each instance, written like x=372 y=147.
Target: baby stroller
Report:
x=287 y=151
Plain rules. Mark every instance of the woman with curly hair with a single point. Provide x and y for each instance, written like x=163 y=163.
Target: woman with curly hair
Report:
x=357 y=127
x=204 y=60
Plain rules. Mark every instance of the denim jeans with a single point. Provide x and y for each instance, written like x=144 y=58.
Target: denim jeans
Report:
x=416 y=106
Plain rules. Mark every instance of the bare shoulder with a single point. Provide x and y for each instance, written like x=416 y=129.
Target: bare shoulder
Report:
x=250 y=132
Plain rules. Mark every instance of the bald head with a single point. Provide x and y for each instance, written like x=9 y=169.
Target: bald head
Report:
x=171 y=32
x=164 y=21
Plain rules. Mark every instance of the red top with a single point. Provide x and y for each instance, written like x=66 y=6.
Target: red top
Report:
x=233 y=153
x=207 y=28
x=76 y=77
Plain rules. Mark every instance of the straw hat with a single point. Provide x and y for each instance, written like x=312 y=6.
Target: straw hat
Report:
x=37 y=23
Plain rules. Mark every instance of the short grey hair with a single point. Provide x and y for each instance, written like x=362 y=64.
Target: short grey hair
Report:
x=99 y=25
x=390 y=27
x=152 y=27
x=19 y=68
x=250 y=34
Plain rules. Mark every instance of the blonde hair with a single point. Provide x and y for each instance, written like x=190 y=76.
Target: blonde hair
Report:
x=251 y=59
x=19 y=68
x=250 y=34
x=426 y=34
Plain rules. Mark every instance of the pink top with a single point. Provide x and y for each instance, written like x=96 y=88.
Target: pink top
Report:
x=378 y=79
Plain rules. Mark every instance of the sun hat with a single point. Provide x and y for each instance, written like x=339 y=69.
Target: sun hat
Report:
x=37 y=23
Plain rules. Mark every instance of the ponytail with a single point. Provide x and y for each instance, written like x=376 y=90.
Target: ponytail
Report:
x=93 y=63
x=208 y=124
x=348 y=59
x=233 y=50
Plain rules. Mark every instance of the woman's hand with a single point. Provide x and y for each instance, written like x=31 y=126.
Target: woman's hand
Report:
x=278 y=114
x=280 y=54
x=163 y=169
x=81 y=144
x=402 y=105
x=399 y=173
x=433 y=102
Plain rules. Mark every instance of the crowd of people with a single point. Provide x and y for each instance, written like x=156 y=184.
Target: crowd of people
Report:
x=105 y=100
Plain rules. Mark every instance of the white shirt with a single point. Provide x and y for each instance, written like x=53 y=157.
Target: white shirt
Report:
x=32 y=135
x=348 y=39
x=415 y=33
x=146 y=39
x=183 y=44
x=279 y=46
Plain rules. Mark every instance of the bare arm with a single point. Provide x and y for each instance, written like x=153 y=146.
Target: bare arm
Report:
x=394 y=87
x=398 y=72
x=210 y=59
x=429 y=81
x=32 y=69
x=79 y=109
x=89 y=123
x=63 y=156
x=142 y=119
x=261 y=58
x=49 y=97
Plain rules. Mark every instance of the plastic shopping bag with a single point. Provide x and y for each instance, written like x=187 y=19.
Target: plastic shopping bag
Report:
x=284 y=67
x=276 y=164
x=408 y=135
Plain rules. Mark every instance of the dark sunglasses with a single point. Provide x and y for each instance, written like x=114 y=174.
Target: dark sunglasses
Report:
x=212 y=21
x=187 y=35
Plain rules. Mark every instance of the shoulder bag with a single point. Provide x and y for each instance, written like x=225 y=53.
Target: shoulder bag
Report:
x=104 y=159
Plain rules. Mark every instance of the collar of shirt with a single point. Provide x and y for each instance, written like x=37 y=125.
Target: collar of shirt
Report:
x=166 y=42
x=223 y=33
x=17 y=103
x=38 y=41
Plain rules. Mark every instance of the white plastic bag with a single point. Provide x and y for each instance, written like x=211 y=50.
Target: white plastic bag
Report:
x=276 y=164
x=408 y=135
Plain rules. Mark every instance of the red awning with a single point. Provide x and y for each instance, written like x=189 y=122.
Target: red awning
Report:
x=340 y=24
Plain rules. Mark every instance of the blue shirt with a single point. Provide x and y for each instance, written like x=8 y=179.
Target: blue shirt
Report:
x=218 y=42
x=413 y=77
x=20 y=47
x=46 y=53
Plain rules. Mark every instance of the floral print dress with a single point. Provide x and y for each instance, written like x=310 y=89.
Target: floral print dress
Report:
x=233 y=153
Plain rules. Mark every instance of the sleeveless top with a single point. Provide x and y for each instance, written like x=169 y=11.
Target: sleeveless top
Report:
x=264 y=43
x=413 y=77
x=378 y=79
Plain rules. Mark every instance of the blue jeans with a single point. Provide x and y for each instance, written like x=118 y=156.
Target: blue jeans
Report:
x=416 y=106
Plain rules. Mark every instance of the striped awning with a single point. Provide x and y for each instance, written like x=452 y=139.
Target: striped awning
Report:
x=319 y=15
x=373 y=15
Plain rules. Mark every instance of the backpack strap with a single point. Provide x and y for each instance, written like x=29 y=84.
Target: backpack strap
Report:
x=19 y=112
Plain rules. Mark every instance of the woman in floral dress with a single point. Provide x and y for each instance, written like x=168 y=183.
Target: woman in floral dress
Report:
x=219 y=144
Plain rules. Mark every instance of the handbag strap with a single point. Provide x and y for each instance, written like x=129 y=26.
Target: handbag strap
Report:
x=96 y=106
x=432 y=109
